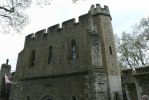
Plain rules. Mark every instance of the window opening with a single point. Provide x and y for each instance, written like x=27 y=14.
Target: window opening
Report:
x=110 y=50
x=28 y=98
x=50 y=54
x=74 y=51
x=73 y=98
x=33 y=58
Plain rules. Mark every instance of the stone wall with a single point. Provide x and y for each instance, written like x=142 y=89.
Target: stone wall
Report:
x=60 y=40
x=136 y=84
x=61 y=87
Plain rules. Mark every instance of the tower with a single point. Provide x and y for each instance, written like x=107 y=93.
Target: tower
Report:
x=5 y=70
x=101 y=20
x=77 y=61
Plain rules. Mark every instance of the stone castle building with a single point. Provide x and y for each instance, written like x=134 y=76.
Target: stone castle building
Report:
x=75 y=62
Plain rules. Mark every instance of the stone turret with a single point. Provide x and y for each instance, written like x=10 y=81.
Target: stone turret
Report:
x=96 y=10
x=101 y=19
x=5 y=69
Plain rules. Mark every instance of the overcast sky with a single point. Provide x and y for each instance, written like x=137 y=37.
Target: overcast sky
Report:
x=125 y=13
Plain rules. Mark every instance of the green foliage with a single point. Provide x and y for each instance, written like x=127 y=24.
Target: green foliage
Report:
x=133 y=48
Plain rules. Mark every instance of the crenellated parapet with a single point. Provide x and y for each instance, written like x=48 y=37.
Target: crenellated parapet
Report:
x=30 y=37
x=53 y=28
x=99 y=10
x=56 y=28
x=68 y=23
x=40 y=33
x=83 y=20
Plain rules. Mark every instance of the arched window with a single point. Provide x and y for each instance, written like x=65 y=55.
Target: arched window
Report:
x=74 y=51
x=50 y=54
x=47 y=98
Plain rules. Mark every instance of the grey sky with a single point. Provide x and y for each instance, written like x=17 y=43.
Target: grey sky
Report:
x=124 y=14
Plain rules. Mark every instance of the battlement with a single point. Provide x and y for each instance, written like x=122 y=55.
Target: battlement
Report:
x=53 y=28
x=40 y=33
x=71 y=23
x=30 y=36
x=95 y=10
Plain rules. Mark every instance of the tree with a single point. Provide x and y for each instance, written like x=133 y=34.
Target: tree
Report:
x=133 y=48
x=12 y=16
x=143 y=28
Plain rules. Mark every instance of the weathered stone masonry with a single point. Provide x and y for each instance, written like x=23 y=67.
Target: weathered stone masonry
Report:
x=77 y=61
x=135 y=85
x=4 y=86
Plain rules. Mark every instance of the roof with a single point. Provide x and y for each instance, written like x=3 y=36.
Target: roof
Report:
x=136 y=67
x=141 y=70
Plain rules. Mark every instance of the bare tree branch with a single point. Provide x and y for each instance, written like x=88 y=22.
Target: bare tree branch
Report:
x=6 y=9
x=133 y=49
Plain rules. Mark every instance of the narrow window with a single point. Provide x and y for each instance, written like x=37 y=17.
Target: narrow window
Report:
x=110 y=50
x=28 y=98
x=74 y=51
x=33 y=58
x=50 y=54
x=73 y=98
